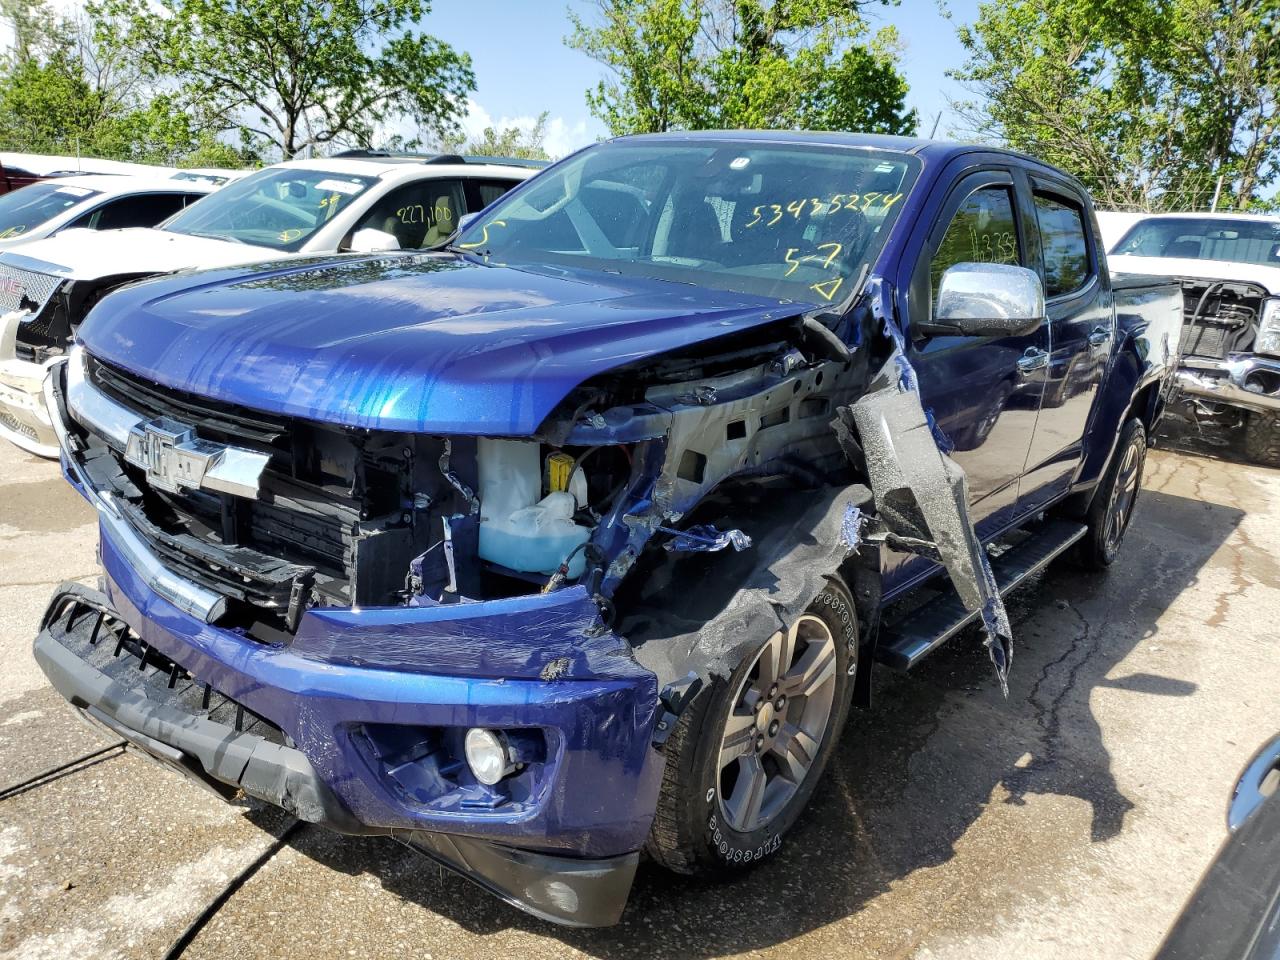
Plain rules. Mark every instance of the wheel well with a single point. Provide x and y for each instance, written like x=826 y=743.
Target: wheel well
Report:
x=1147 y=406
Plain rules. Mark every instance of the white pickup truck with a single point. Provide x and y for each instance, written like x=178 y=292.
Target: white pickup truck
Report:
x=362 y=201
x=1229 y=266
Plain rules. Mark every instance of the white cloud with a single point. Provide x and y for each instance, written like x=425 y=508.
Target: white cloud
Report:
x=562 y=136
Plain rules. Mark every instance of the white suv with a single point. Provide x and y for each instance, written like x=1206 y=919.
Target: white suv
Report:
x=94 y=202
x=361 y=201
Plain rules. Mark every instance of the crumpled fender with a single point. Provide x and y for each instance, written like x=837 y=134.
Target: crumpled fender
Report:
x=921 y=494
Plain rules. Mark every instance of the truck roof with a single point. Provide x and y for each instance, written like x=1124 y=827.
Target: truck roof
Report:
x=935 y=150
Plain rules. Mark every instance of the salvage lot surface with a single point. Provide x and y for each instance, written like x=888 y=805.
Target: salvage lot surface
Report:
x=1070 y=820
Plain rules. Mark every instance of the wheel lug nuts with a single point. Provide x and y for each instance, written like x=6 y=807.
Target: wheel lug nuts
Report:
x=759 y=743
x=781 y=703
x=755 y=708
x=773 y=728
x=773 y=691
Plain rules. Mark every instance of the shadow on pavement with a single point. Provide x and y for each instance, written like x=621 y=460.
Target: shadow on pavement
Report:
x=914 y=772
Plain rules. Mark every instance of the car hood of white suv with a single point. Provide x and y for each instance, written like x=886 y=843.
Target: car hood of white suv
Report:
x=88 y=254
x=1265 y=276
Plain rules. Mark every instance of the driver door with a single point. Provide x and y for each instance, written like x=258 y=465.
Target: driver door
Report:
x=984 y=392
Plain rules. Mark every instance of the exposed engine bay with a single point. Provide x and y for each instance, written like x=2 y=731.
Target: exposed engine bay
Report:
x=719 y=446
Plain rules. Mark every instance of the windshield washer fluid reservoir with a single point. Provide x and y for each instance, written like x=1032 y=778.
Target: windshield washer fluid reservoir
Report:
x=517 y=529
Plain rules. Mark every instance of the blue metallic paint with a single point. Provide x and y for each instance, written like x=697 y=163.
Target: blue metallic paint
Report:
x=601 y=780
x=406 y=343
x=449 y=344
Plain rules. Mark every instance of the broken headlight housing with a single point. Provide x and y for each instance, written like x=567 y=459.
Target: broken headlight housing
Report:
x=1269 y=328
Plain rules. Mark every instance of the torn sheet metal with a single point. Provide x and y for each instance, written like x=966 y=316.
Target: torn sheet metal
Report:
x=922 y=494
x=706 y=538
x=705 y=612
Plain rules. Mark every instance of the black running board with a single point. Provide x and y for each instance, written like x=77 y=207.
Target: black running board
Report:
x=908 y=641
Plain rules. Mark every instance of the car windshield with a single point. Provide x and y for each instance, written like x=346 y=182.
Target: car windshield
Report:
x=788 y=221
x=25 y=209
x=280 y=207
x=1204 y=238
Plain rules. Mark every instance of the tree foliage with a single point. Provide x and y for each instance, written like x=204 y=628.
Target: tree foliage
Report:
x=1149 y=102
x=514 y=141
x=296 y=74
x=698 y=64
x=61 y=93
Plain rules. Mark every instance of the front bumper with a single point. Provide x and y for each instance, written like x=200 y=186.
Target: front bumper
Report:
x=148 y=713
x=24 y=418
x=364 y=702
x=1242 y=380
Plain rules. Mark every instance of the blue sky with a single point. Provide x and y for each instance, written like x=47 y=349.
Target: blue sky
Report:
x=523 y=67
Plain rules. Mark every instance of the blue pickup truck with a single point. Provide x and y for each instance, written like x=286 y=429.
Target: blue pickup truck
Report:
x=579 y=536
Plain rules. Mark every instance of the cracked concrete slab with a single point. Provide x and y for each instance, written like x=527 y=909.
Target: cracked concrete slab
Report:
x=1070 y=820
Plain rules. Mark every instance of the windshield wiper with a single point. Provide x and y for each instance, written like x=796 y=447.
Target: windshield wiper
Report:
x=215 y=236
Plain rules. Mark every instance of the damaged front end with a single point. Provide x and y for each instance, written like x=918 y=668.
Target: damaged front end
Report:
x=372 y=596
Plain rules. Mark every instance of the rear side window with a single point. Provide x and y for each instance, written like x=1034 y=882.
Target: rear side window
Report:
x=143 y=210
x=1062 y=238
x=488 y=191
x=983 y=230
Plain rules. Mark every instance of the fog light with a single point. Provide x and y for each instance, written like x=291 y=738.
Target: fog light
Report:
x=487 y=755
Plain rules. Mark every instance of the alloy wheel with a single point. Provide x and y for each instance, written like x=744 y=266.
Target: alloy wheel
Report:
x=1124 y=493
x=776 y=724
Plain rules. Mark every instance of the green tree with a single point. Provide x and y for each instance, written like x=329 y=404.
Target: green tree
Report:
x=61 y=93
x=505 y=142
x=296 y=74
x=696 y=64
x=1149 y=102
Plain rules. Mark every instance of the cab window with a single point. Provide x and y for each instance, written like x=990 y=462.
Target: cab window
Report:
x=141 y=210
x=487 y=191
x=983 y=230
x=418 y=215
x=1062 y=238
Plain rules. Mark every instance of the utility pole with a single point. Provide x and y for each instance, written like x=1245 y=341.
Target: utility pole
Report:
x=1217 y=192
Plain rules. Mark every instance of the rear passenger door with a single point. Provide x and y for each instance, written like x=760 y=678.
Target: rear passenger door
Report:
x=1081 y=331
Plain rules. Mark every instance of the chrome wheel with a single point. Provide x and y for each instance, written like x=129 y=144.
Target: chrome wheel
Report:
x=1124 y=493
x=776 y=724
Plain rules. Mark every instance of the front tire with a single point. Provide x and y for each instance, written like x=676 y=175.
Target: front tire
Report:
x=1114 y=500
x=1262 y=438
x=747 y=754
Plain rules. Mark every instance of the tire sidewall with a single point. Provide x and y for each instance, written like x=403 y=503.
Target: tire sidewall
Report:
x=1135 y=436
x=724 y=846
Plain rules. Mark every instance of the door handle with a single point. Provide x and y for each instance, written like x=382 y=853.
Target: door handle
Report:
x=1099 y=336
x=1033 y=359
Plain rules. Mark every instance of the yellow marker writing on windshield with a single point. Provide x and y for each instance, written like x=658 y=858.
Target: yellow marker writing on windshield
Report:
x=484 y=235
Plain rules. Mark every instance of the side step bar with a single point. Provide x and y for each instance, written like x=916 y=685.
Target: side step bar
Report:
x=906 y=642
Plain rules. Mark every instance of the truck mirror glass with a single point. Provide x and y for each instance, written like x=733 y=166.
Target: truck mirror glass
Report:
x=987 y=300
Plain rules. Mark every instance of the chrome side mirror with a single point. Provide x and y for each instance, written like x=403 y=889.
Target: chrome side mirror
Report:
x=466 y=220
x=987 y=300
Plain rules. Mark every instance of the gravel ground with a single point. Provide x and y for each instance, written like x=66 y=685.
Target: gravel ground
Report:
x=1070 y=820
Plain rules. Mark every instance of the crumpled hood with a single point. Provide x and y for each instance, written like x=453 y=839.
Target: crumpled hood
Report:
x=423 y=343
x=1191 y=267
x=89 y=254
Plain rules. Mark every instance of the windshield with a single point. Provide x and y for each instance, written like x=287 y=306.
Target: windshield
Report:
x=27 y=208
x=1205 y=238
x=779 y=220
x=280 y=207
